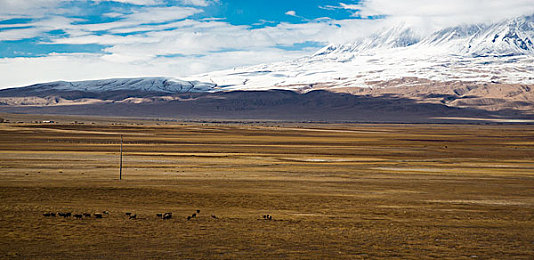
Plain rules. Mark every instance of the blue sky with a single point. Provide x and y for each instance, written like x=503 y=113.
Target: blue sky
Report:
x=255 y=14
x=91 y=39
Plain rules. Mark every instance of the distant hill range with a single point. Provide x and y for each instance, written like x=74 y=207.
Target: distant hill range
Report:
x=396 y=75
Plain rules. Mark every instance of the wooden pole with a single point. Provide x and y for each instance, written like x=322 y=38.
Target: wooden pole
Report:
x=120 y=169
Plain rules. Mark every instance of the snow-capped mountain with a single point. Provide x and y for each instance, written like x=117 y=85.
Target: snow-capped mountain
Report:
x=506 y=38
x=155 y=85
x=122 y=89
x=502 y=52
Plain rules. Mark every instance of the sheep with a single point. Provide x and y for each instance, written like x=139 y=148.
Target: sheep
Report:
x=46 y=214
x=128 y=213
x=194 y=215
x=159 y=215
x=61 y=214
x=52 y=214
x=98 y=215
x=67 y=214
x=133 y=216
x=167 y=216
x=78 y=216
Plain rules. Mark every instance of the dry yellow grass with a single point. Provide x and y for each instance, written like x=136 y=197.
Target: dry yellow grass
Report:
x=334 y=191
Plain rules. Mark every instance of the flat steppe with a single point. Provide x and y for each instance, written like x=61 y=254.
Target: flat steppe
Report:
x=333 y=191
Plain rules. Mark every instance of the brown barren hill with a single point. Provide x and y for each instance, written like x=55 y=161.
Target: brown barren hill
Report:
x=402 y=101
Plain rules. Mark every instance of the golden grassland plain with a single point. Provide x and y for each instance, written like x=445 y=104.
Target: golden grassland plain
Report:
x=334 y=191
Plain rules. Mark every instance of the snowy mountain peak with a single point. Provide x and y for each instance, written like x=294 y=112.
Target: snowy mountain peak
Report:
x=395 y=37
x=507 y=38
x=510 y=37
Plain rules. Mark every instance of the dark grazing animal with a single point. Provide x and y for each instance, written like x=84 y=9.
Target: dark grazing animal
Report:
x=215 y=217
x=198 y=210
x=46 y=214
x=133 y=216
x=194 y=215
x=105 y=212
x=88 y=215
x=167 y=215
x=188 y=217
x=159 y=215
x=98 y=215
x=128 y=213
x=67 y=214
x=78 y=216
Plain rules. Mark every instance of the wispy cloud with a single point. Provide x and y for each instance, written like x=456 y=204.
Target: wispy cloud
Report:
x=439 y=13
x=28 y=8
x=198 y=2
x=135 y=2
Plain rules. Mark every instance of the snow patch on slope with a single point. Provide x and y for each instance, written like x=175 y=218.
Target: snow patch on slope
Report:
x=157 y=85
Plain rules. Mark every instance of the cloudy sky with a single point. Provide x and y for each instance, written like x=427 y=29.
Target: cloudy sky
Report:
x=48 y=40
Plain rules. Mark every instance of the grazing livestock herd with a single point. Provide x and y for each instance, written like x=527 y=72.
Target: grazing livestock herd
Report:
x=75 y=215
x=129 y=215
x=267 y=217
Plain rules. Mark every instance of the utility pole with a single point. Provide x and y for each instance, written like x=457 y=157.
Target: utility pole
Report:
x=120 y=169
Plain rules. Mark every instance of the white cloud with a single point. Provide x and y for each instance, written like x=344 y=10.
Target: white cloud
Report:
x=28 y=8
x=85 y=33
x=191 y=37
x=34 y=29
x=291 y=13
x=198 y=2
x=135 y=2
x=161 y=14
x=18 y=34
x=442 y=13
